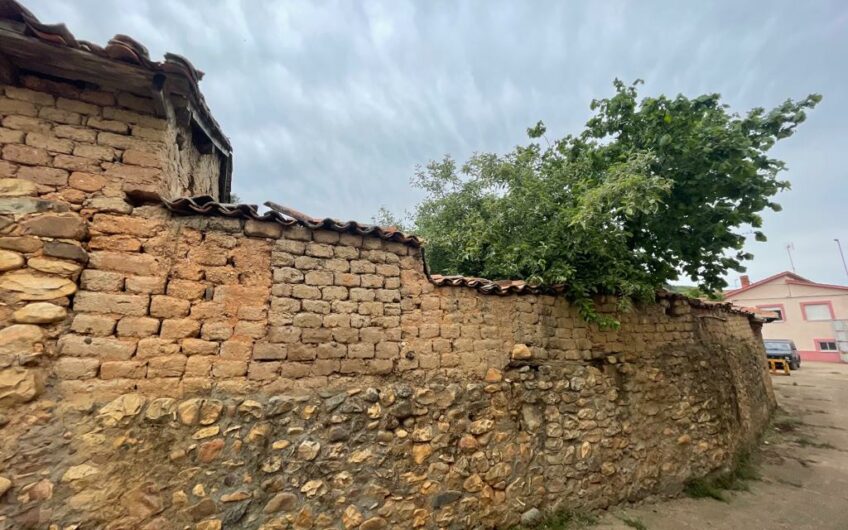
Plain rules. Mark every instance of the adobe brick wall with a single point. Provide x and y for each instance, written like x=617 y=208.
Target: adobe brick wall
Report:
x=163 y=371
x=84 y=146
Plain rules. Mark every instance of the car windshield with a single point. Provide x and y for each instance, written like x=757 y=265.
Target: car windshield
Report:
x=778 y=346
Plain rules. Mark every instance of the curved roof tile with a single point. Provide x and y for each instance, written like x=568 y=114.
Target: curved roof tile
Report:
x=206 y=205
x=519 y=287
x=497 y=287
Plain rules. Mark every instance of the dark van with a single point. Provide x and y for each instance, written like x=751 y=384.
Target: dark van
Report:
x=783 y=349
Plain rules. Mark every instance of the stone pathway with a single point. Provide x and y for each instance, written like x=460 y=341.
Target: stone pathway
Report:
x=804 y=469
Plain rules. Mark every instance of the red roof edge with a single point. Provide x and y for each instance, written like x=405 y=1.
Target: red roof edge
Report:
x=816 y=284
x=798 y=278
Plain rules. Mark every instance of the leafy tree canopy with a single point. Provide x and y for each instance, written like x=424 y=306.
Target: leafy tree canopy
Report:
x=649 y=190
x=386 y=218
x=694 y=291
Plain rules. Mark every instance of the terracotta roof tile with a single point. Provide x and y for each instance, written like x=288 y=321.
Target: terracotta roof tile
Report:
x=519 y=287
x=498 y=287
x=120 y=47
x=767 y=316
x=206 y=205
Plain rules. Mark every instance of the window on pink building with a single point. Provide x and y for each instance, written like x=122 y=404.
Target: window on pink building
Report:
x=817 y=310
x=826 y=345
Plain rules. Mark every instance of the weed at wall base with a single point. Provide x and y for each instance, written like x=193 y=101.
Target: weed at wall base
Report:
x=734 y=479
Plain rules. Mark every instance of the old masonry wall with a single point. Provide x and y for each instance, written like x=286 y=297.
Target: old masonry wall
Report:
x=187 y=371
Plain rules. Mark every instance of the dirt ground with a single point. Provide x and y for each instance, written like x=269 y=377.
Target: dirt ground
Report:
x=803 y=468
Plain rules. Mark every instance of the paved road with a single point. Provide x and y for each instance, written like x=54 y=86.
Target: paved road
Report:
x=804 y=468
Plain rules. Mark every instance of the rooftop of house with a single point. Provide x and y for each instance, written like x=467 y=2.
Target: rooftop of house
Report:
x=787 y=277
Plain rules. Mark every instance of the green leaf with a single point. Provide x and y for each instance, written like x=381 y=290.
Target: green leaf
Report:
x=537 y=131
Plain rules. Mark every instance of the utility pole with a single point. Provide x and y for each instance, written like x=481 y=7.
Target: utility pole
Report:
x=789 y=248
x=842 y=255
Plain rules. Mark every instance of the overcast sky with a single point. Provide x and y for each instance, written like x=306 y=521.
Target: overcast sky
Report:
x=331 y=105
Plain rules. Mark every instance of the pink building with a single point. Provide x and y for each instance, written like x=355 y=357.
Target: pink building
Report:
x=813 y=315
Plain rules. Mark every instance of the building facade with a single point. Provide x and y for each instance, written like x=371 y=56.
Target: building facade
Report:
x=813 y=315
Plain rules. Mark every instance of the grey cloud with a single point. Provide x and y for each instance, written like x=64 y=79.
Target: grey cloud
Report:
x=330 y=105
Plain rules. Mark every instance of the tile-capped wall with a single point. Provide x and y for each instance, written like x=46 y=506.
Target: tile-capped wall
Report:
x=162 y=371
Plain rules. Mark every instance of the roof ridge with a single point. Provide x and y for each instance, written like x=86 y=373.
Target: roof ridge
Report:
x=818 y=284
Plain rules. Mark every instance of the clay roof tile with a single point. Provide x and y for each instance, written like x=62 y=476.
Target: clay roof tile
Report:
x=206 y=205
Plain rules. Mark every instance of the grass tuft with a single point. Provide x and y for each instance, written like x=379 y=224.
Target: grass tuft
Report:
x=703 y=488
x=734 y=479
x=787 y=425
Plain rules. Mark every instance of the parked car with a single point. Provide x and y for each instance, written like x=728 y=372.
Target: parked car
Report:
x=783 y=349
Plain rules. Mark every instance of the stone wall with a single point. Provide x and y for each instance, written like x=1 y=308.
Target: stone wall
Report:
x=167 y=371
x=69 y=152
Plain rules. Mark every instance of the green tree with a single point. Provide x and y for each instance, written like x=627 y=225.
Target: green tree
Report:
x=386 y=218
x=648 y=190
x=694 y=292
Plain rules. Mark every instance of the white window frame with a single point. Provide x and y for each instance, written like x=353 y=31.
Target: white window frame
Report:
x=826 y=305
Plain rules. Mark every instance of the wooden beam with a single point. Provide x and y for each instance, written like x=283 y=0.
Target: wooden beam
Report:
x=291 y=212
